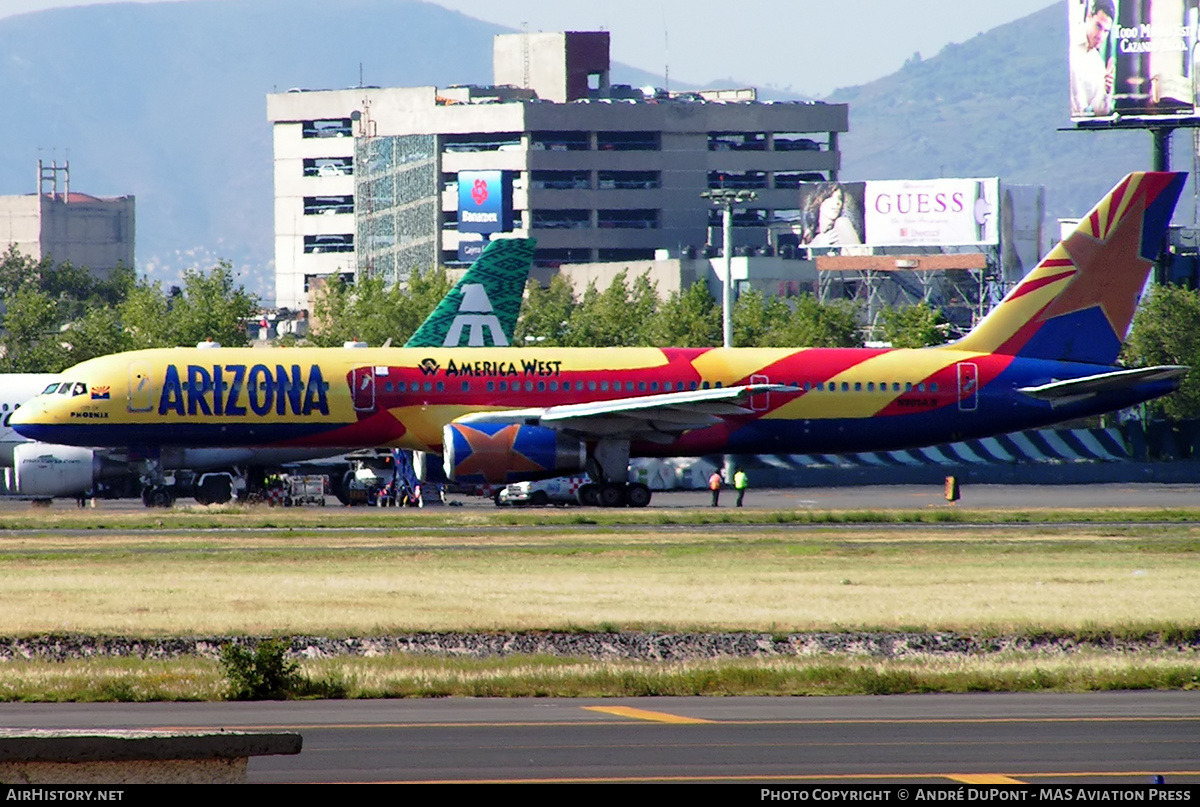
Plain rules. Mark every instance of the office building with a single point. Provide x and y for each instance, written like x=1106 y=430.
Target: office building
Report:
x=392 y=180
x=68 y=226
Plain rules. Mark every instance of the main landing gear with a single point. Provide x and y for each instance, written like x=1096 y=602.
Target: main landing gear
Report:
x=158 y=495
x=608 y=463
x=615 y=494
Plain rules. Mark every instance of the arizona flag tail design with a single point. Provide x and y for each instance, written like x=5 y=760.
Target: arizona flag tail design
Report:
x=481 y=310
x=1077 y=304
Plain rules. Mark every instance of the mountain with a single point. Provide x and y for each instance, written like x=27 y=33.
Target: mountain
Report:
x=994 y=106
x=167 y=101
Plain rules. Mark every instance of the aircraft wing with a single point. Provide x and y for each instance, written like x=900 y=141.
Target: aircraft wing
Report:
x=1059 y=392
x=654 y=418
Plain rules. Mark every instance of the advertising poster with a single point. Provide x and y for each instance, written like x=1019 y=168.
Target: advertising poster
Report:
x=470 y=251
x=831 y=214
x=932 y=212
x=484 y=201
x=1132 y=57
x=1022 y=229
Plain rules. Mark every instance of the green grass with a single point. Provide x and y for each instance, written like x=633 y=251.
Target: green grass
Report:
x=415 y=676
x=322 y=519
x=997 y=578
x=1045 y=575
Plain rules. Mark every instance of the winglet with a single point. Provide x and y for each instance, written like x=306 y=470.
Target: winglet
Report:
x=481 y=310
x=1078 y=303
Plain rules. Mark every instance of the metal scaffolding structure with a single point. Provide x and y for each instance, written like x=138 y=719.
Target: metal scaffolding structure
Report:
x=963 y=285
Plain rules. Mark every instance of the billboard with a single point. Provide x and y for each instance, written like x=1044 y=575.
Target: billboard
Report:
x=484 y=201
x=1132 y=57
x=469 y=251
x=1022 y=228
x=903 y=212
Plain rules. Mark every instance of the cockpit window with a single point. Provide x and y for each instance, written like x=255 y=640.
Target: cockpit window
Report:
x=50 y=389
x=80 y=388
x=64 y=388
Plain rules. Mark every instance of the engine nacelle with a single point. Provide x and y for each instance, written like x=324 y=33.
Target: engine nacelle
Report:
x=428 y=467
x=47 y=471
x=499 y=453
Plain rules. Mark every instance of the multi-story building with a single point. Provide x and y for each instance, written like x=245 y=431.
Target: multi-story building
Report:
x=394 y=180
x=86 y=231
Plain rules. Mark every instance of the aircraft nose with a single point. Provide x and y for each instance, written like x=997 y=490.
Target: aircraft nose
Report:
x=30 y=420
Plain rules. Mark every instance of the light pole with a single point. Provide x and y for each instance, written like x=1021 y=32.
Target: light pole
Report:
x=726 y=198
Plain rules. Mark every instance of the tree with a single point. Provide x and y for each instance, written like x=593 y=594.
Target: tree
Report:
x=55 y=316
x=31 y=333
x=373 y=310
x=615 y=317
x=1164 y=332
x=545 y=313
x=687 y=319
x=144 y=315
x=211 y=307
x=755 y=316
x=919 y=325
x=816 y=324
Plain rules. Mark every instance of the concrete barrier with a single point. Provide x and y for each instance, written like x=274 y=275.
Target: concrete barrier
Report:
x=89 y=757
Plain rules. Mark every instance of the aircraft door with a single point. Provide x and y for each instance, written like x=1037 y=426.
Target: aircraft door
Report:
x=761 y=401
x=968 y=386
x=141 y=388
x=363 y=379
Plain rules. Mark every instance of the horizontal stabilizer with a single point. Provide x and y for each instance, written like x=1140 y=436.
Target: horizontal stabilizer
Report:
x=1075 y=388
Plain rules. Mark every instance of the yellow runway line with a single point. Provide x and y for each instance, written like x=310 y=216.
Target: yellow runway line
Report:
x=644 y=714
x=985 y=779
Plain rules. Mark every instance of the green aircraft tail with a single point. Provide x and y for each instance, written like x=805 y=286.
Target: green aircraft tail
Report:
x=481 y=310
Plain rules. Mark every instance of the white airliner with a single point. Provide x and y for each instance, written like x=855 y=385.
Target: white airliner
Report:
x=16 y=389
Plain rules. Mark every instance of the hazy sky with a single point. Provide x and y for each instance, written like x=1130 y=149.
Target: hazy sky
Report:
x=809 y=46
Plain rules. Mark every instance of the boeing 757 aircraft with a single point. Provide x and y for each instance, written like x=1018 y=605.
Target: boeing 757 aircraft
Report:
x=1047 y=353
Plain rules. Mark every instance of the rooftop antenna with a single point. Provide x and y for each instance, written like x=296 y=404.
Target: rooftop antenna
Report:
x=666 y=55
x=360 y=75
x=49 y=173
x=525 y=55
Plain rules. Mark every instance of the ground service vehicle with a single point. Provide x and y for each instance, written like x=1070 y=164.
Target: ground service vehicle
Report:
x=541 y=492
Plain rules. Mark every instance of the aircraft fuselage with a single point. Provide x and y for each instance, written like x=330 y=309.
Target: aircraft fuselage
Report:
x=841 y=399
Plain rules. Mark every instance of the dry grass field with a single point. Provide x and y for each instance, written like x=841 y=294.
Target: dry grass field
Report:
x=994 y=579
x=239 y=572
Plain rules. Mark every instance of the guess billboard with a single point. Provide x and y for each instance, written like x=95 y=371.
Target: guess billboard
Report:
x=484 y=201
x=906 y=212
x=933 y=212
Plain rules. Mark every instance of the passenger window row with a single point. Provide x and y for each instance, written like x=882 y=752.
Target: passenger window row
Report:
x=653 y=386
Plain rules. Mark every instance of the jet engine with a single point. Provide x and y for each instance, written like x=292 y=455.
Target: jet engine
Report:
x=428 y=467
x=46 y=471
x=499 y=453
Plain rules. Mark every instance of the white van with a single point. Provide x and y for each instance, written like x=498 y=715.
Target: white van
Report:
x=560 y=490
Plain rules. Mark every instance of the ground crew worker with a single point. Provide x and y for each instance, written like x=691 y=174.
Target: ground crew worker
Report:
x=740 y=483
x=714 y=484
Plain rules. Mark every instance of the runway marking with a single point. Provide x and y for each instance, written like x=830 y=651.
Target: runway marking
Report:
x=645 y=714
x=623 y=711
x=985 y=779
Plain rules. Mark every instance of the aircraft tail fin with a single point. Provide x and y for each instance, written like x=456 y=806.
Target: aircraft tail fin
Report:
x=481 y=310
x=1077 y=304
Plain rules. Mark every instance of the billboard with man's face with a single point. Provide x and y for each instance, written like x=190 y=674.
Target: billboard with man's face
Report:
x=1132 y=57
